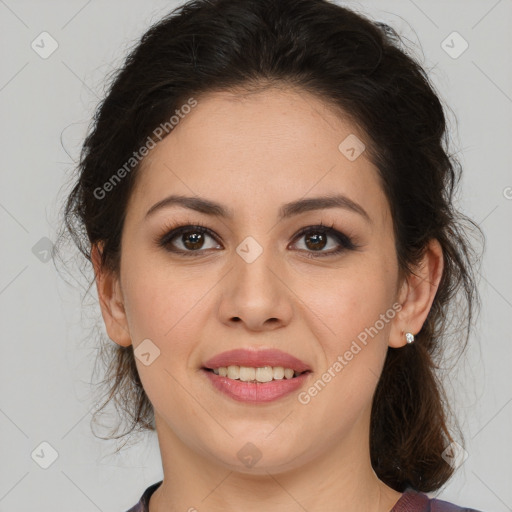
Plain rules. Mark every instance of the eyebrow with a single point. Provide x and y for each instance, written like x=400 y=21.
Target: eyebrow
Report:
x=291 y=209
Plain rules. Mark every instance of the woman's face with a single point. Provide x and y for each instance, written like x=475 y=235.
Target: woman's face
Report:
x=253 y=281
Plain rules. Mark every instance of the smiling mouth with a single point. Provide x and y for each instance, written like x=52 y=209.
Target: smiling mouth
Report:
x=255 y=374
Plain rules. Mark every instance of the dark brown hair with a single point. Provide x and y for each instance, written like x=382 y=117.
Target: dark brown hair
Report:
x=362 y=70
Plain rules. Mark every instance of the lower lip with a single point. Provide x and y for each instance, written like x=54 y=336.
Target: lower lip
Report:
x=256 y=392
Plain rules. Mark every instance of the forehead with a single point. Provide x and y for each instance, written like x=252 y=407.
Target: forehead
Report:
x=252 y=151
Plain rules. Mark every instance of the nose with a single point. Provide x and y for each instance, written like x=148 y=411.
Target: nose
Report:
x=256 y=295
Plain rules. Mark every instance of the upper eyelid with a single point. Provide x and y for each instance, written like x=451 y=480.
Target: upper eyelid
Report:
x=305 y=229
x=172 y=233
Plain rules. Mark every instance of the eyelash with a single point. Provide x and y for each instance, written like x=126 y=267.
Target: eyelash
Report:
x=173 y=231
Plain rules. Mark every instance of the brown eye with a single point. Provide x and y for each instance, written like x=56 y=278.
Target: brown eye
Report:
x=316 y=241
x=187 y=239
x=317 y=238
x=192 y=240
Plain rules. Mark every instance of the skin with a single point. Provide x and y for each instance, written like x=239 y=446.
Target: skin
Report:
x=253 y=154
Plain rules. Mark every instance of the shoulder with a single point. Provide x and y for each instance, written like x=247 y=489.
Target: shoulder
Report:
x=413 y=501
x=444 y=506
x=143 y=504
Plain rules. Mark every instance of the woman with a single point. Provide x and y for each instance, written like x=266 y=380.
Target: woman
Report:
x=266 y=200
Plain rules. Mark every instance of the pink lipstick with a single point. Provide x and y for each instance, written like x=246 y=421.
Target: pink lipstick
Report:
x=272 y=363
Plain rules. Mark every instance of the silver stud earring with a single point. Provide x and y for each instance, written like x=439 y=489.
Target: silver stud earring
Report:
x=409 y=336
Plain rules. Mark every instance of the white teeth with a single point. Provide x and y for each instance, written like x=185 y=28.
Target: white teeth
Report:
x=288 y=373
x=265 y=374
x=278 y=372
x=234 y=372
x=251 y=374
x=246 y=374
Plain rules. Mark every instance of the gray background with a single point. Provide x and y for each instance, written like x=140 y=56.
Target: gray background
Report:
x=48 y=353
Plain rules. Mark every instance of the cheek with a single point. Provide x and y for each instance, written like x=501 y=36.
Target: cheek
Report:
x=345 y=303
x=163 y=307
x=166 y=310
x=352 y=317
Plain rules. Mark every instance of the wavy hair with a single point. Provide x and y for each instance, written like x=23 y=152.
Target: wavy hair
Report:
x=358 y=67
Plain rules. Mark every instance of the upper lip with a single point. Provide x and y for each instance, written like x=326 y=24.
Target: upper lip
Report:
x=256 y=358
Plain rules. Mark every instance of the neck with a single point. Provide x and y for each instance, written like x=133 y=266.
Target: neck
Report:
x=341 y=479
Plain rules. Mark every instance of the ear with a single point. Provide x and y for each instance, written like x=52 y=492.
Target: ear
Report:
x=111 y=300
x=416 y=295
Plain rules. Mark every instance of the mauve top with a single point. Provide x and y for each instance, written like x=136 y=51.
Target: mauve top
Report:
x=411 y=501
